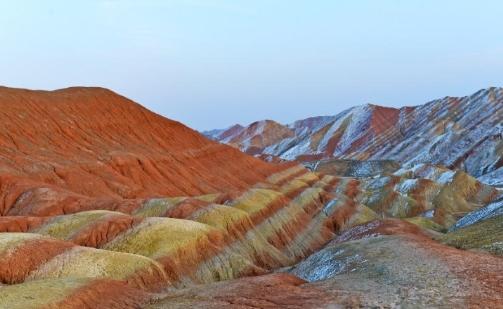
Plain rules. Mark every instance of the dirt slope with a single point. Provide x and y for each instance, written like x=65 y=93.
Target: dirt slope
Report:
x=77 y=143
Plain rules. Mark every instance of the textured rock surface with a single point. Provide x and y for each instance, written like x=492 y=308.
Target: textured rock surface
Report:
x=354 y=168
x=491 y=210
x=485 y=235
x=424 y=193
x=106 y=205
x=70 y=149
x=464 y=133
x=270 y=291
x=179 y=242
x=393 y=264
x=103 y=196
x=254 y=138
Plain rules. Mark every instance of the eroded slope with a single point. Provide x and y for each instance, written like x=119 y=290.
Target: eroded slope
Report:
x=85 y=146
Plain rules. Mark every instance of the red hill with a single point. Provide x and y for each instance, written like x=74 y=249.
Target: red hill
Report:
x=96 y=143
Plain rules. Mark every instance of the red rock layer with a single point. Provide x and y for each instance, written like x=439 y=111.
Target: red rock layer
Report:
x=258 y=135
x=269 y=291
x=104 y=293
x=384 y=118
x=91 y=142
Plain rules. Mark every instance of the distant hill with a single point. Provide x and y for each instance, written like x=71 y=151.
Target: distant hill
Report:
x=464 y=133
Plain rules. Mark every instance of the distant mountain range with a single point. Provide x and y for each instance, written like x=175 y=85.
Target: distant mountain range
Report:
x=458 y=132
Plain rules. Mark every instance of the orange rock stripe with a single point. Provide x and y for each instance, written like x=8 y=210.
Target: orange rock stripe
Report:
x=291 y=177
x=298 y=224
x=283 y=235
x=186 y=208
x=184 y=263
x=20 y=224
x=104 y=230
x=104 y=293
x=16 y=265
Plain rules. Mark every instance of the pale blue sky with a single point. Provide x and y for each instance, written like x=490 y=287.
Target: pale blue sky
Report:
x=212 y=63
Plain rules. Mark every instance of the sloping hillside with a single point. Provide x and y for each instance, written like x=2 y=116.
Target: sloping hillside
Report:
x=107 y=205
x=83 y=145
x=464 y=133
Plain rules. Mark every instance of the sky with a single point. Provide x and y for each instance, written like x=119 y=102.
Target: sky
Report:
x=214 y=63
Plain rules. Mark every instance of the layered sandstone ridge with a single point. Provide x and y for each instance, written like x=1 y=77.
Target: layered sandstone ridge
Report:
x=188 y=251
x=70 y=145
x=108 y=205
x=458 y=132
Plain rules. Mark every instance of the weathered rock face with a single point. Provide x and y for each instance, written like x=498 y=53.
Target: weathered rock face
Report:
x=464 y=133
x=423 y=194
x=328 y=136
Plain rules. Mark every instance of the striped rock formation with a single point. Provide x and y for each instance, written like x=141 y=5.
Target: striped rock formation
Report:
x=176 y=242
x=460 y=133
x=256 y=136
x=81 y=148
x=106 y=205
x=167 y=243
x=100 y=197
